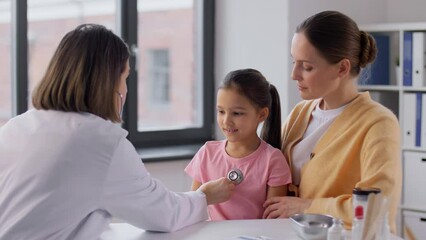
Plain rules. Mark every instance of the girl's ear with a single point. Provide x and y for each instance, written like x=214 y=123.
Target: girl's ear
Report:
x=263 y=114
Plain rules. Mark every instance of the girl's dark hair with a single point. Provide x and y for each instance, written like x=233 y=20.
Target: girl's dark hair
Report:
x=336 y=37
x=83 y=73
x=253 y=85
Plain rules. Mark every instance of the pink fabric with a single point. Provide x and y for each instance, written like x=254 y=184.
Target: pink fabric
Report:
x=266 y=166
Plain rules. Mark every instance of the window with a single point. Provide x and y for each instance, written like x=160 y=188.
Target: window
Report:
x=5 y=56
x=170 y=94
x=170 y=87
x=158 y=76
x=167 y=24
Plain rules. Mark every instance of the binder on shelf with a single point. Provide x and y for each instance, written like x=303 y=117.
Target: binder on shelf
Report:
x=407 y=63
x=418 y=60
x=380 y=66
x=418 y=119
x=423 y=117
x=409 y=121
x=378 y=72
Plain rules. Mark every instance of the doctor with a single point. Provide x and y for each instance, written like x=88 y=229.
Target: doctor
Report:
x=66 y=167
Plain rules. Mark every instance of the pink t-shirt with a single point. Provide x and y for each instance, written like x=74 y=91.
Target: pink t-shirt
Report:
x=264 y=167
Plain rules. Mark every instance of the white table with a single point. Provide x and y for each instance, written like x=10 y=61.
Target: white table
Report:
x=210 y=230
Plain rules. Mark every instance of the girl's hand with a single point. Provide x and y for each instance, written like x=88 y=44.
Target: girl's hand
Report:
x=284 y=207
x=217 y=191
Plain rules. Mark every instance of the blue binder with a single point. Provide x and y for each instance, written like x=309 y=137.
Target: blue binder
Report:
x=378 y=72
x=418 y=119
x=407 y=63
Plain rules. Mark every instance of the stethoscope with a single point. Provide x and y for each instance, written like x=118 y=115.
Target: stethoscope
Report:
x=235 y=176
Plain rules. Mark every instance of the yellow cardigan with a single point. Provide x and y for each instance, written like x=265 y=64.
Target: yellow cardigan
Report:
x=360 y=149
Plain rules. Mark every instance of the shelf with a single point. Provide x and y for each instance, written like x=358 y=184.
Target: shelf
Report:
x=413 y=208
x=414 y=149
x=395 y=96
x=390 y=88
x=414 y=89
x=391 y=27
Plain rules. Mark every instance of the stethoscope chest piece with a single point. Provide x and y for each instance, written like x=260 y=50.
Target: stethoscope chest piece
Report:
x=235 y=176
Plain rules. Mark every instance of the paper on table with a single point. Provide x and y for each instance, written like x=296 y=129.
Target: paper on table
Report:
x=243 y=237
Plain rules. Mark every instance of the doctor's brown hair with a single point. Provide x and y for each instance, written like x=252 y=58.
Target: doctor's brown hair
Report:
x=336 y=37
x=84 y=73
x=251 y=84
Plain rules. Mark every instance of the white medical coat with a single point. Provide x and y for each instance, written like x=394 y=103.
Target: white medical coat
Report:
x=64 y=175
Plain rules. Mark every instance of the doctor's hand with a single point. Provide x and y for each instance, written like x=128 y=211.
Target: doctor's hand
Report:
x=284 y=207
x=217 y=191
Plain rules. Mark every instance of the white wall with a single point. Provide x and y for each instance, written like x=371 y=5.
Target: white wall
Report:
x=406 y=11
x=252 y=34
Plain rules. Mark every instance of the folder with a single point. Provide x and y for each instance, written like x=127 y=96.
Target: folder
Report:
x=423 y=129
x=409 y=119
x=418 y=60
x=380 y=66
x=423 y=122
x=407 y=64
x=418 y=133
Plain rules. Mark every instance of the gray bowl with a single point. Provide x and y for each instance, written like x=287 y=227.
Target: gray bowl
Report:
x=311 y=226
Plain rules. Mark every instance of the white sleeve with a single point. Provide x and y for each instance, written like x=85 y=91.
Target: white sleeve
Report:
x=131 y=194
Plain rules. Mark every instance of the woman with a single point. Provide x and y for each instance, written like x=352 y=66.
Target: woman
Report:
x=67 y=167
x=337 y=138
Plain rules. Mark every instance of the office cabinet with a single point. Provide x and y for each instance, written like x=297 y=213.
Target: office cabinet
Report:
x=414 y=225
x=403 y=91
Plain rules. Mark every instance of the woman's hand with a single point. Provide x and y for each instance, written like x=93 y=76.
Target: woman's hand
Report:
x=217 y=191
x=284 y=207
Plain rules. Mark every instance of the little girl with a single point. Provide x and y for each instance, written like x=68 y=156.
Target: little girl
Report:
x=244 y=100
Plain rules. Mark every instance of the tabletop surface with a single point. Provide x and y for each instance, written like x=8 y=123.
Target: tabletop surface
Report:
x=261 y=229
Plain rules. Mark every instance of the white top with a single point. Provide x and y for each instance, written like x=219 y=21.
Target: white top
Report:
x=320 y=122
x=64 y=175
